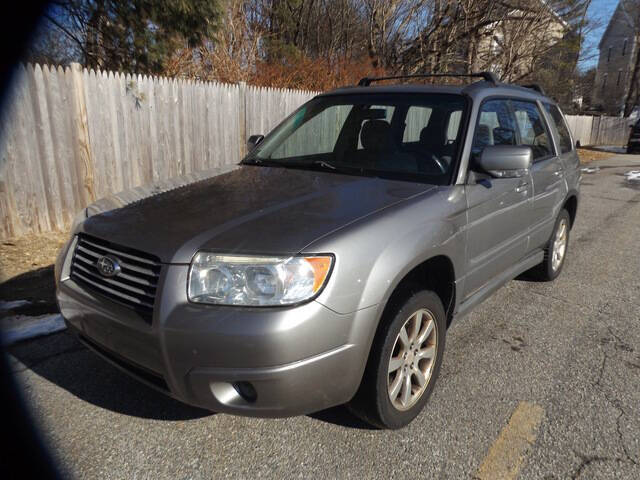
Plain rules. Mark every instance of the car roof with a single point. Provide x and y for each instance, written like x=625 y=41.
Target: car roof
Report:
x=477 y=90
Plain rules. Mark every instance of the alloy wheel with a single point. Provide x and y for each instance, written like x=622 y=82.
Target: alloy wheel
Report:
x=559 y=245
x=412 y=359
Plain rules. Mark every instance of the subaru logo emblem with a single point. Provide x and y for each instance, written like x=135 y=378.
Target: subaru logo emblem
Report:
x=108 y=266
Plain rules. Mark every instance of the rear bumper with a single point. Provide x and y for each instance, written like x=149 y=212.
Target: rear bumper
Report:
x=296 y=360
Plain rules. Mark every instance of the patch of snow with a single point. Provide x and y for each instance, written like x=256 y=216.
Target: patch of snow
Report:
x=23 y=327
x=10 y=305
x=590 y=169
x=633 y=178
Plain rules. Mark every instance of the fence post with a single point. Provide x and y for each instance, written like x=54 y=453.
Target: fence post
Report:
x=81 y=127
x=242 y=117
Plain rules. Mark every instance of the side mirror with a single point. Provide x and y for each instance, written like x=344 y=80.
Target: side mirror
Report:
x=506 y=161
x=253 y=141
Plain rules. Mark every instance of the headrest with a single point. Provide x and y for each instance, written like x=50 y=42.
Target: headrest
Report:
x=432 y=135
x=376 y=135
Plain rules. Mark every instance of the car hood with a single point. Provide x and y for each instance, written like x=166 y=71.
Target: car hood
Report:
x=246 y=209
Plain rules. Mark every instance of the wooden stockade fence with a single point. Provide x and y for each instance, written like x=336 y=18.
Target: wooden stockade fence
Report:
x=70 y=136
x=588 y=130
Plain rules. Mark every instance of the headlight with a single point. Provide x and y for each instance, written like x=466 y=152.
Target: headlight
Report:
x=253 y=280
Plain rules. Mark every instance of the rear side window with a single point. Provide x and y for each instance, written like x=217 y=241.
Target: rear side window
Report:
x=532 y=129
x=453 y=128
x=417 y=118
x=566 y=145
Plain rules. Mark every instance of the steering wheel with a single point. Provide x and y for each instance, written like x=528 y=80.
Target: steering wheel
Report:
x=439 y=163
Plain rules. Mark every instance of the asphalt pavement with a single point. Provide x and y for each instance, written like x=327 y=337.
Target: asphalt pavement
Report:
x=558 y=361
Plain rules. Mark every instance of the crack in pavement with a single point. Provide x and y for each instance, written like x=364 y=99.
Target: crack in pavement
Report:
x=621 y=346
x=586 y=460
x=618 y=345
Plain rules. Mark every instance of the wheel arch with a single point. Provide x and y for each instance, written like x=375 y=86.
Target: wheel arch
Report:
x=571 y=205
x=436 y=274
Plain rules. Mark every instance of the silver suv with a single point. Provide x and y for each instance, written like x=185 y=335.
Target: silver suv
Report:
x=327 y=266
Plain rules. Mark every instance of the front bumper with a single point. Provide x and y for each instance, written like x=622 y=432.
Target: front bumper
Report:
x=296 y=360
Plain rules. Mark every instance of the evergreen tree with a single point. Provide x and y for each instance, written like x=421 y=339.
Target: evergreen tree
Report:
x=133 y=35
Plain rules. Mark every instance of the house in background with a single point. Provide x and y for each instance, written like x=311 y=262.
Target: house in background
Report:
x=512 y=52
x=617 y=57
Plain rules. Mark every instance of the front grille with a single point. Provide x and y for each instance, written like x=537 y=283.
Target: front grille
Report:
x=135 y=285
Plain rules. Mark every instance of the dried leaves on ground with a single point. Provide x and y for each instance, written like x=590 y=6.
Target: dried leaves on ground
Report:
x=26 y=272
x=588 y=155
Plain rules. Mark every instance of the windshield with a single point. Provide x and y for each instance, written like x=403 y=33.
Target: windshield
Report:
x=408 y=137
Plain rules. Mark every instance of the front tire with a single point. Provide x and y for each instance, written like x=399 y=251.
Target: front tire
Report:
x=404 y=362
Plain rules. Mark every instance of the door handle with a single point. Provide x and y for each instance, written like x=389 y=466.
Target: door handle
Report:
x=522 y=187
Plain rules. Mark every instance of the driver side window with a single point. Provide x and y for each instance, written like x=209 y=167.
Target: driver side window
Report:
x=496 y=126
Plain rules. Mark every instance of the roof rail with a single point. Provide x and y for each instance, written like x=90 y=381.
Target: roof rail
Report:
x=488 y=76
x=536 y=87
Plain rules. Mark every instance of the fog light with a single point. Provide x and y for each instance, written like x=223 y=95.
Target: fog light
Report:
x=246 y=391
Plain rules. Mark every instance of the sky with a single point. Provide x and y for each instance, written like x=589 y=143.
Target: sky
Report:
x=600 y=12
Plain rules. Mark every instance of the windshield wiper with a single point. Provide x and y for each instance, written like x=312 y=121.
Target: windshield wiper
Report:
x=323 y=164
x=314 y=165
x=262 y=162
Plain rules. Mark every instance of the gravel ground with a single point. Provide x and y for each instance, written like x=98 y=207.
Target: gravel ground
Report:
x=571 y=347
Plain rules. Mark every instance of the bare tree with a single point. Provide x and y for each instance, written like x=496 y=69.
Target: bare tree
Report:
x=316 y=43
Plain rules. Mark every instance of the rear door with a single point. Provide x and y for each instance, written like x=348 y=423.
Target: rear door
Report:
x=498 y=208
x=547 y=171
x=565 y=145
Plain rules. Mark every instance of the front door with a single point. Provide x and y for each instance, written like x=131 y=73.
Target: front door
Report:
x=498 y=209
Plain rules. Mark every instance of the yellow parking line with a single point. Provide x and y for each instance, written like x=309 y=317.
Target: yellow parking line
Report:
x=508 y=452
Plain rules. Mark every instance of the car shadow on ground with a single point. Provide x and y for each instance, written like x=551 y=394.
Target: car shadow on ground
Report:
x=342 y=417
x=62 y=360
x=37 y=287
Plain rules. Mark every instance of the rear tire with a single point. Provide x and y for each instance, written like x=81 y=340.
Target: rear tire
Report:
x=555 y=251
x=404 y=362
